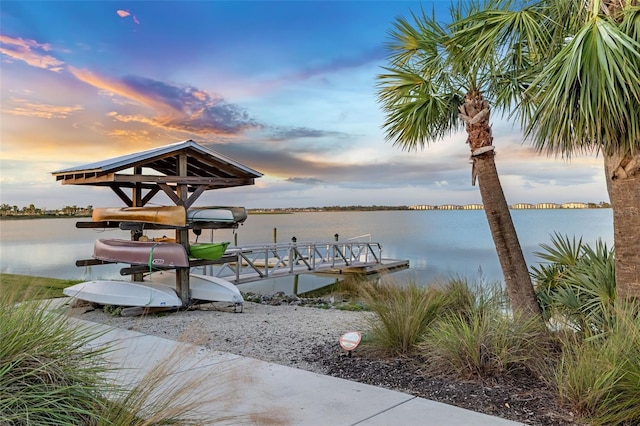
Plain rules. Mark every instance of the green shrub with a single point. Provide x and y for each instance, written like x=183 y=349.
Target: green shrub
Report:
x=599 y=377
x=485 y=342
x=402 y=314
x=576 y=284
x=53 y=373
x=48 y=372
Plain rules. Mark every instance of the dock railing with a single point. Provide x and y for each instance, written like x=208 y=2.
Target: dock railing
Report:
x=255 y=262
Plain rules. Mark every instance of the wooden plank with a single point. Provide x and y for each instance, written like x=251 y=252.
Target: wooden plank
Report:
x=102 y=224
x=136 y=311
x=91 y=262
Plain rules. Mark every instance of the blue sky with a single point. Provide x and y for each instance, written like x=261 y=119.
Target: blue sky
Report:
x=286 y=88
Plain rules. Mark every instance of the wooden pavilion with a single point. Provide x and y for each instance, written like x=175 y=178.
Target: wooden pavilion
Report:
x=182 y=171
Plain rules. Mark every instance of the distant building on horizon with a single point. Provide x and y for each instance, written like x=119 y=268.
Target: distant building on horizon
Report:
x=473 y=207
x=547 y=206
x=449 y=207
x=574 y=205
x=520 y=206
x=517 y=206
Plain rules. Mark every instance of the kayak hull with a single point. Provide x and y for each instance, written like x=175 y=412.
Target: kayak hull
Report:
x=202 y=287
x=163 y=215
x=160 y=254
x=217 y=214
x=124 y=293
x=208 y=251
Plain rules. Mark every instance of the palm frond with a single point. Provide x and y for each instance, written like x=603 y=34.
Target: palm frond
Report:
x=586 y=98
x=562 y=250
x=507 y=44
x=417 y=91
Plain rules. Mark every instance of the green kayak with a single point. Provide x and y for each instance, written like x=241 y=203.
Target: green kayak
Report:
x=208 y=251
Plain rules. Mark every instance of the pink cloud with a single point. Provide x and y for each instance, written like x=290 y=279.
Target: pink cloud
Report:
x=124 y=13
x=17 y=106
x=30 y=52
x=181 y=108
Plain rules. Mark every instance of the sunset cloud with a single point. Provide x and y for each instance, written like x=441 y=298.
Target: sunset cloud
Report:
x=124 y=13
x=305 y=181
x=292 y=133
x=23 y=107
x=182 y=108
x=31 y=52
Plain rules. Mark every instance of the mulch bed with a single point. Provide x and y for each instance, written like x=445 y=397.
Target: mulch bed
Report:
x=519 y=397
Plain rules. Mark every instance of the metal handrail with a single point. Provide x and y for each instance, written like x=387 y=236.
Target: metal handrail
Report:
x=267 y=260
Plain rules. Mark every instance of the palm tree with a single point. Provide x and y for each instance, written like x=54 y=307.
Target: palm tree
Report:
x=429 y=90
x=579 y=95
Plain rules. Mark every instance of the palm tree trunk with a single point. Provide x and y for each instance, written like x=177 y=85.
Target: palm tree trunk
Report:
x=623 y=184
x=514 y=268
x=475 y=113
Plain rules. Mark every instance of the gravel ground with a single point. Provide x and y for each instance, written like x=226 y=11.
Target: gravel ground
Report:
x=282 y=334
x=307 y=338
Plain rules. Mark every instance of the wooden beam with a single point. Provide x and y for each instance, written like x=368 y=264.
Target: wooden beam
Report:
x=124 y=197
x=150 y=195
x=136 y=192
x=169 y=191
x=103 y=224
x=197 y=193
x=188 y=180
x=182 y=235
x=91 y=262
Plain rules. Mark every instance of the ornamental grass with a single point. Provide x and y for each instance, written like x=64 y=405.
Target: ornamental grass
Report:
x=402 y=314
x=49 y=374
x=481 y=338
x=599 y=377
x=55 y=372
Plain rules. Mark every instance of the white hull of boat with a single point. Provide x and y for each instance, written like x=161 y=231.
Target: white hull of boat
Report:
x=217 y=214
x=202 y=287
x=124 y=293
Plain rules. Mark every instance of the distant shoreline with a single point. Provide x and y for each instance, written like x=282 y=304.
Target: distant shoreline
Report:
x=293 y=210
x=40 y=216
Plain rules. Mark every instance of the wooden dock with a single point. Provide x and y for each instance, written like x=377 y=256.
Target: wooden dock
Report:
x=246 y=264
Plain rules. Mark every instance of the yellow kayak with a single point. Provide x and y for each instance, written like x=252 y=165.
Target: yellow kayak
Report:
x=164 y=215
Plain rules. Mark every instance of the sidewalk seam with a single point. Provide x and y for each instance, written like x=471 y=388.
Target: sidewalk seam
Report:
x=383 y=411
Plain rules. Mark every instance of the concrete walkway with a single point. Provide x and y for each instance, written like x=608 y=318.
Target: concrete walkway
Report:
x=263 y=393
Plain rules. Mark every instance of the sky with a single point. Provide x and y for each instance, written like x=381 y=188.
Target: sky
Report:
x=286 y=88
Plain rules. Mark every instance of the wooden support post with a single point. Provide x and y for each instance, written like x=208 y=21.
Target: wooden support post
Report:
x=182 y=235
x=136 y=201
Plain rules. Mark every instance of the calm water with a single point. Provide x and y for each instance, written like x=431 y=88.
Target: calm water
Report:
x=438 y=244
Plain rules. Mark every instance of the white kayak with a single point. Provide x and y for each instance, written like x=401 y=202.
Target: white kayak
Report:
x=217 y=214
x=202 y=287
x=124 y=293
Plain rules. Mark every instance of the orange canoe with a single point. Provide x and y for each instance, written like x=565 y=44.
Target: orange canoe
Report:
x=164 y=215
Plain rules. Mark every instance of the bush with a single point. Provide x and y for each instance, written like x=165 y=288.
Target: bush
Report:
x=483 y=339
x=402 y=314
x=53 y=373
x=49 y=374
x=600 y=376
x=576 y=285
